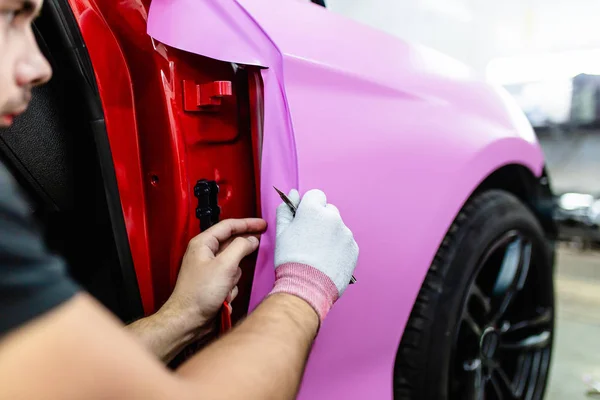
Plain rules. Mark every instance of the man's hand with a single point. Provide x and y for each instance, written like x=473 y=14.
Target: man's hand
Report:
x=208 y=276
x=315 y=252
x=210 y=269
x=79 y=351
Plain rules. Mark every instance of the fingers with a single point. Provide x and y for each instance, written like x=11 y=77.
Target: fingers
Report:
x=294 y=196
x=226 y=243
x=314 y=197
x=238 y=249
x=333 y=209
x=238 y=276
x=313 y=201
x=285 y=216
x=233 y=294
x=231 y=227
x=210 y=240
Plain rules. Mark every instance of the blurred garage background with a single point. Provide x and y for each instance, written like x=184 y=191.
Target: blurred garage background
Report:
x=546 y=53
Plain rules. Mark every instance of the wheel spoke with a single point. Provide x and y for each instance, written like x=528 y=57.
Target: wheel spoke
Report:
x=522 y=373
x=472 y=324
x=512 y=275
x=540 y=321
x=483 y=300
x=497 y=388
x=536 y=364
x=475 y=383
x=504 y=384
x=530 y=343
x=504 y=331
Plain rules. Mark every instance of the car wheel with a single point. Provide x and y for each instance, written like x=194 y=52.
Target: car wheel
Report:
x=482 y=324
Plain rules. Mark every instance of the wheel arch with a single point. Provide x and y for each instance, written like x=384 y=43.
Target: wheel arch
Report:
x=512 y=177
x=535 y=192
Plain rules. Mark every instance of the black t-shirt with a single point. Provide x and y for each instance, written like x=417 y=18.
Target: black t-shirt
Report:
x=32 y=281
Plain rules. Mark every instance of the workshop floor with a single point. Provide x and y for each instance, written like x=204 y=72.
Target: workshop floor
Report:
x=577 y=340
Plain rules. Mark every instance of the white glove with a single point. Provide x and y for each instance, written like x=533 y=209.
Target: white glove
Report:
x=315 y=253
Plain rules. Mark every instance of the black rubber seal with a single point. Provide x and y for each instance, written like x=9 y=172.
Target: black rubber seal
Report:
x=69 y=33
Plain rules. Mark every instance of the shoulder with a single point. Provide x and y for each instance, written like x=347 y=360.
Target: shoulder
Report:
x=9 y=192
x=32 y=281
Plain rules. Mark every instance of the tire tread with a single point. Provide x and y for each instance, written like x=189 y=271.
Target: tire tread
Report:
x=413 y=352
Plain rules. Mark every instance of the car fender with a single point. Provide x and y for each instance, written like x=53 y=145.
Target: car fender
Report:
x=397 y=135
x=399 y=170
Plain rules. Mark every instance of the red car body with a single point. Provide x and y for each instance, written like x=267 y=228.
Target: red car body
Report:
x=152 y=175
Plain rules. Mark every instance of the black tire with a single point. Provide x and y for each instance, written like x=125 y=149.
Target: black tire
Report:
x=429 y=350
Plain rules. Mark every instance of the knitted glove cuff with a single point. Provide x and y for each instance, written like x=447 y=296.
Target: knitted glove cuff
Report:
x=308 y=283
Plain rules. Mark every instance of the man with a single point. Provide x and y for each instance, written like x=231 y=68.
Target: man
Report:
x=57 y=342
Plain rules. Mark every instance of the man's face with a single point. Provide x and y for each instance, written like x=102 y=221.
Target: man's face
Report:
x=22 y=65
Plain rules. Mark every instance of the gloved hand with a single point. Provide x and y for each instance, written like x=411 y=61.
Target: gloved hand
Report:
x=315 y=253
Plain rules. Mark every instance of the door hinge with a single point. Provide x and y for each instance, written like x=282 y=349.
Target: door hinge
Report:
x=208 y=210
x=205 y=96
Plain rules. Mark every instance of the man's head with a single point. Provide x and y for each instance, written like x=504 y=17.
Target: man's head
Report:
x=22 y=65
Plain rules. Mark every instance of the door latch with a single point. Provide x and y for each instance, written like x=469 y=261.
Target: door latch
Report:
x=208 y=210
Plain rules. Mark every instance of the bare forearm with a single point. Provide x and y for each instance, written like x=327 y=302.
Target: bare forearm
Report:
x=265 y=355
x=165 y=333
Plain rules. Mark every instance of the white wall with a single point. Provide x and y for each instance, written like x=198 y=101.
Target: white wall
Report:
x=477 y=31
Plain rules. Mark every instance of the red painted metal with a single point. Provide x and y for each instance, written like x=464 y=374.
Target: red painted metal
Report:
x=115 y=86
x=159 y=149
x=205 y=97
x=256 y=118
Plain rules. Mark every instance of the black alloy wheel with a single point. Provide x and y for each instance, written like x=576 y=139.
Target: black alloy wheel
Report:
x=503 y=345
x=482 y=325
